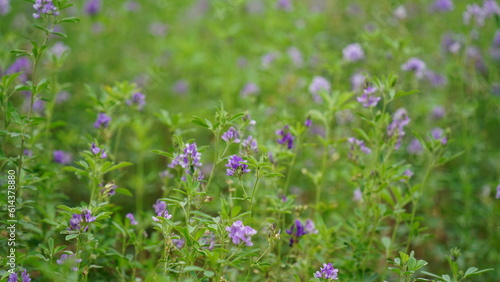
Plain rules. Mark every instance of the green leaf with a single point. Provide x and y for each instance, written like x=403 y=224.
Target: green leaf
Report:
x=193 y=268
x=208 y=273
x=123 y=191
x=71 y=236
x=117 y=166
x=199 y=121
x=68 y=20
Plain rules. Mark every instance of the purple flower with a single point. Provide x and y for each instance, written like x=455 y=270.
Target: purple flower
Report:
x=476 y=12
x=285 y=5
x=319 y=84
x=69 y=260
x=357 y=195
x=94 y=149
x=131 y=217
x=28 y=153
x=4 y=7
x=308 y=122
x=23 y=65
x=357 y=81
x=138 y=99
x=12 y=277
x=62 y=96
x=181 y=86
x=80 y=222
x=358 y=143
x=207 y=241
x=44 y=7
x=298 y=230
x=159 y=206
x=163 y=214
x=310 y=227
x=438 y=134
x=438 y=112
x=414 y=65
x=249 y=89
x=132 y=6
x=496 y=39
x=442 y=5
x=296 y=56
x=396 y=127
x=62 y=157
x=58 y=50
x=235 y=166
x=353 y=53
x=109 y=189
x=25 y=277
x=498 y=192
x=189 y=160
x=368 y=99
x=490 y=7
x=179 y=243
x=268 y=59
x=249 y=144
x=450 y=44
x=92 y=7
x=435 y=79
x=158 y=29
x=240 y=233
x=231 y=135
x=415 y=147
x=408 y=173
x=327 y=272
x=286 y=137
x=102 y=121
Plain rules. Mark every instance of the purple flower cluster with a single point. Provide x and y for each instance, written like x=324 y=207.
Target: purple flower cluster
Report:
x=241 y=233
x=131 y=217
x=298 y=230
x=353 y=52
x=442 y=5
x=285 y=5
x=189 y=160
x=357 y=81
x=319 y=84
x=396 y=127
x=249 y=144
x=95 y=150
x=231 y=135
x=367 y=99
x=498 y=192
x=249 y=89
x=415 y=65
x=415 y=147
x=44 y=7
x=207 y=241
x=62 y=157
x=109 y=189
x=137 y=99
x=23 y=65
x=479 y=14
x=25 y=277
x=286 y=137
x=360 y=144
x=179 y=243
x=438 y=134
x=4 y=7
x=296 y=56
x=102 y=121
x=236 y=167
x=161 y=211
x=80 y=222
x=327 y=272
x=181 y=87
x=69 y=260
x=92 y=7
